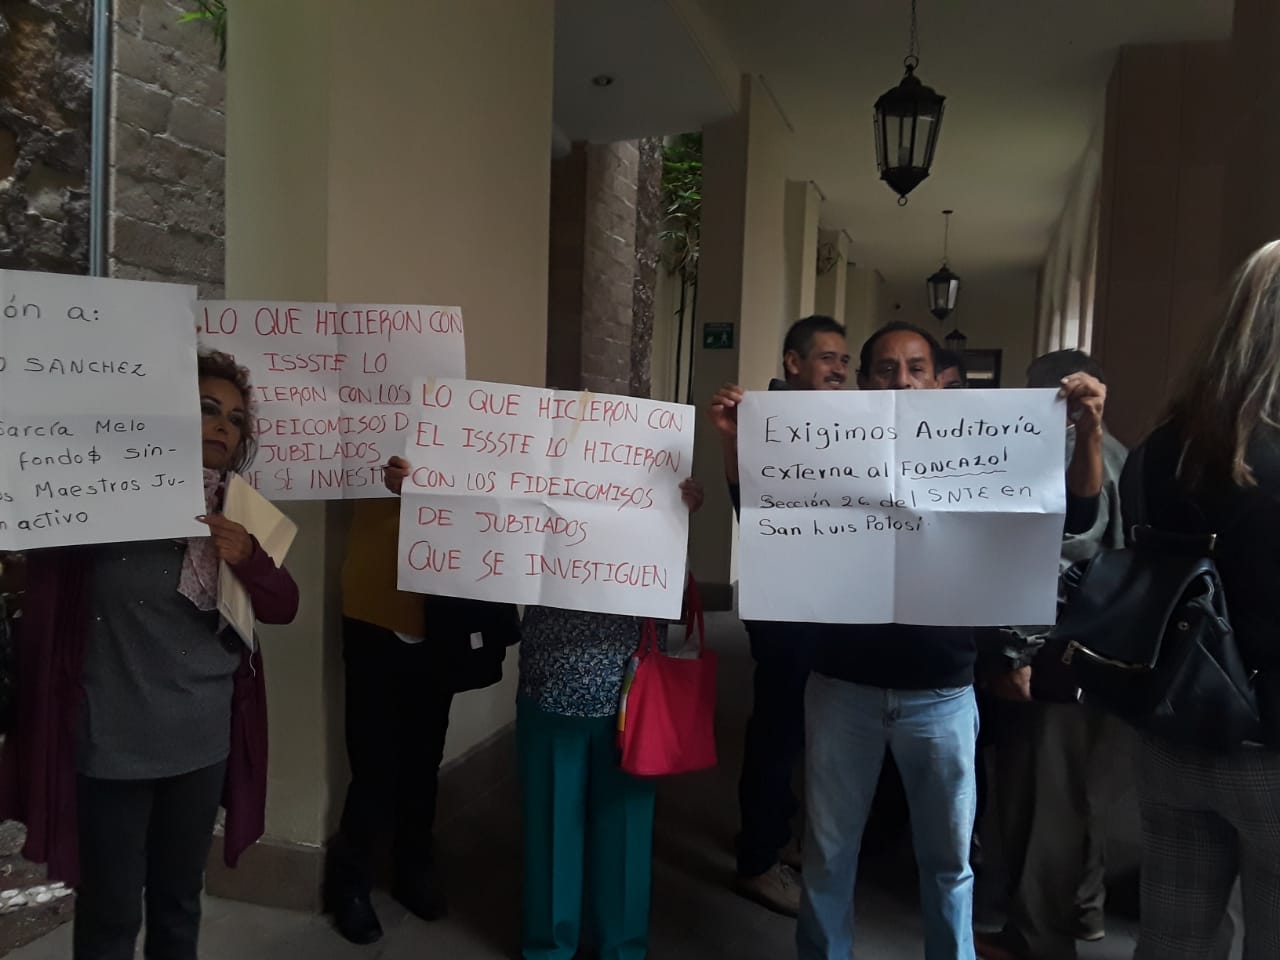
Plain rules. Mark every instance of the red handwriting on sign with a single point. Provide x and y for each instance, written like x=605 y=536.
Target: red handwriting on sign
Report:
x=530 y=485
x=495 y=403
x=664 y=419
x=387 y=394
x=224 y=323
x=610 y=410
x=495 y=442
x=345 y=478
x=493 y=561
x=485 y=481
x=423 y=556
x=427 y=478
x=348 y=426
x=299 y=395
x=428 y=434
x=304 y=362
x=574 y=531
x=630 y=455
x=435 y=517
x=584 y=571
x=309 y=452
x=444 y=321
x=439 y=397
x=384 y=322
x=277 y=321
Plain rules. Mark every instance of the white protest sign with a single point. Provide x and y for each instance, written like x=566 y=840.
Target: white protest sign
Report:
x=99 y=411
x=926 y=507
x=331 y=386
x=534 y=496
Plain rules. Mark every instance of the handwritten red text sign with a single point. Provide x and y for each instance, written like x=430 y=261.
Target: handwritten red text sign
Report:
x=536 y=496
x=331 y=385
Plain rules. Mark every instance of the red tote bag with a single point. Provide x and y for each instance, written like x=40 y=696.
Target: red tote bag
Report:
x=669 y=707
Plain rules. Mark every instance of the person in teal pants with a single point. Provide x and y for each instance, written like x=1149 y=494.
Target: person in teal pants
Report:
x=587 y=824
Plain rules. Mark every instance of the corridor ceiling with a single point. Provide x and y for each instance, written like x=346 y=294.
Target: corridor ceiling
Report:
x=1024 y=80
x=1025 y=84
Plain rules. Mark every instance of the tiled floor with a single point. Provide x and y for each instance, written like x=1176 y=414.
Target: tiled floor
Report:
x=695 y=913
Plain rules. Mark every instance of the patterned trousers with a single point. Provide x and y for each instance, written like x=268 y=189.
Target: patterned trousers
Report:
x=1206 y=820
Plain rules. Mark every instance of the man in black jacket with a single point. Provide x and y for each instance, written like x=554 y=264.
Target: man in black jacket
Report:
x=815 y=356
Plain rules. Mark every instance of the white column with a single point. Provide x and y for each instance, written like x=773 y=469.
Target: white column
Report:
x=374 y=153
x=829 y=299
x=802 y=209
x=742 y=280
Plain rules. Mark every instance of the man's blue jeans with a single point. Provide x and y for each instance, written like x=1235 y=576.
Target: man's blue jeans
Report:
x=932 y=735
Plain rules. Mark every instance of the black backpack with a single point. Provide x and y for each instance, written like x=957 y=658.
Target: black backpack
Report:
x=1146 y=633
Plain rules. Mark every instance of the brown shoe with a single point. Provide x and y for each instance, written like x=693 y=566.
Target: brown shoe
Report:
x=998 y=946
x=778 y=888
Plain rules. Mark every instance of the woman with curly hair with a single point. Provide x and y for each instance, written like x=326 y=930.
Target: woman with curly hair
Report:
x=138 y=713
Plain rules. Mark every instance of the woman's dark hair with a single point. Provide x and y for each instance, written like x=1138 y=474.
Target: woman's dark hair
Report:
x=223 y=366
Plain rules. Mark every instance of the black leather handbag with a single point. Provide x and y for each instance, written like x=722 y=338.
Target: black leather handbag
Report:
x=469 y=639
x=1146 y=632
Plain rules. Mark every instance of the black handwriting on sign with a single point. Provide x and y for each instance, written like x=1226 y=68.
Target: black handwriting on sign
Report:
x=821 y=436
x=27 y=311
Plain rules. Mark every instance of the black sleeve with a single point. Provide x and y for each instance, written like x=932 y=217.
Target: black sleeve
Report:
x=1082 y=513
x=735 y=494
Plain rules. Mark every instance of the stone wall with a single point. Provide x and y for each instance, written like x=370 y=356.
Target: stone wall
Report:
x=168 y=146
x=564 y=287
x=649 y=217
x=603 y=266
x=46 y=70
x=609 y=266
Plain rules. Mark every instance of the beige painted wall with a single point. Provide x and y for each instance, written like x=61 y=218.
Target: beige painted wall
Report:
x=832 y=291
x=1160 y=228
x=995 y=311
x=1065 y=301
x=801 y=238
x=1252 y=196
x=764 y=312
x=742 y=278
x=356 y=171
x=864 y=291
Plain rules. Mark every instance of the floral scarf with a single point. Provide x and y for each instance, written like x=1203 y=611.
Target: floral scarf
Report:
x=198 y=581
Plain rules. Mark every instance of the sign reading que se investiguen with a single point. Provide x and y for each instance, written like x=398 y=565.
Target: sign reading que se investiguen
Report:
x=925 y=507
x=131 y=469
x=534 y=496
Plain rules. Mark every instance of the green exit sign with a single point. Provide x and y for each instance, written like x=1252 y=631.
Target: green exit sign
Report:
x=717 y=336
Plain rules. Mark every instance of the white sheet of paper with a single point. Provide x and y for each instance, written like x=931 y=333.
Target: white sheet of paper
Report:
x=99 y=411
x=331 y=384
x=925 y=507
x=534 y=496
x=275 y=533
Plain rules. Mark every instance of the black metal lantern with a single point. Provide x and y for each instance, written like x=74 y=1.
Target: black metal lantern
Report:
x=908 y=119
x=943 y=285
x=956 y=341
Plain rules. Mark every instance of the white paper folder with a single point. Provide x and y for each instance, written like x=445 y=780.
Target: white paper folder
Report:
x=274 y=531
